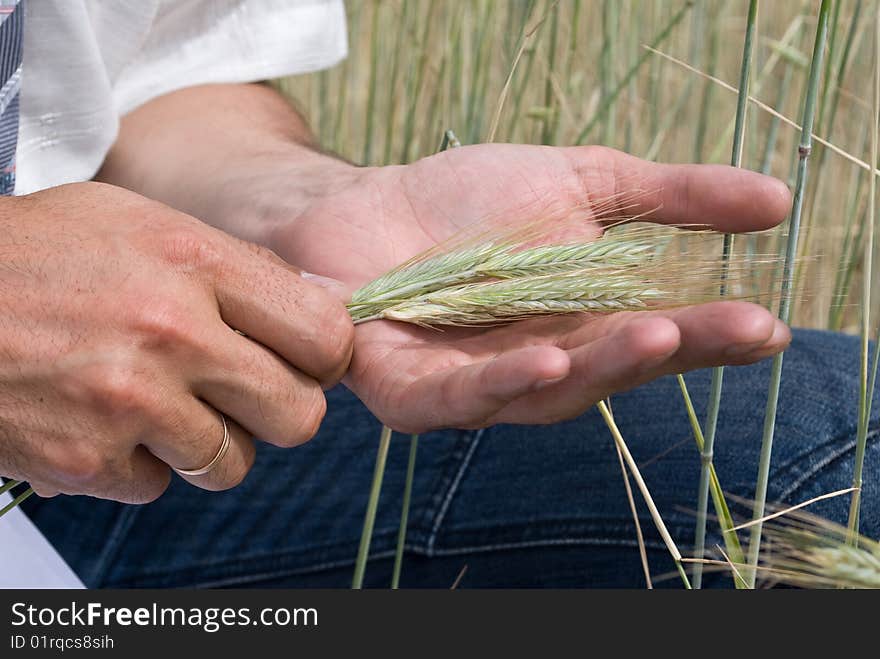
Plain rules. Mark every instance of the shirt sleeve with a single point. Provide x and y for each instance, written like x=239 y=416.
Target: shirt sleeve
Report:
x=196 y=42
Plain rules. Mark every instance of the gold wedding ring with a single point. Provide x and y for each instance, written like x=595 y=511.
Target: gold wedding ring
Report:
x=224 y=446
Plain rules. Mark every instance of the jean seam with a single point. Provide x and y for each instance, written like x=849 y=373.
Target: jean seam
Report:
x=265 y=575
x=429 y=518
x=230 y=573
x=219 y=565
x=451 y=492
x=831 y=458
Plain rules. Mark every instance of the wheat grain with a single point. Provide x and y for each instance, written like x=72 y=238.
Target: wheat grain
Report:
x=811 y=552
x=513 y=275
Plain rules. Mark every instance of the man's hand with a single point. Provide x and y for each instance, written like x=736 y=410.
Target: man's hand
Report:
x=118 y=345
x=250 y=167
x=536 y=371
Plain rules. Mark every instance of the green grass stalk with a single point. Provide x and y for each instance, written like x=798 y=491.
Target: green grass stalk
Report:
x=804 y=149
x=607 y=60
x=526 y=50
x=718 y=373
x=793 y=30
x=548 y=125
x=722 y=510
x=831 y=96
x=450 y=141
x=416 y=84
x=8 y=485
x=656 y=86
x=573 y=40
x=526 y=39
x=866 y=379
x=360 y=565
x=391 y=109
x=708 y=89
x=404 y=513
x=609 y=100
x=477 y=74
x=632 y=90
x=370 y=114
x=830 y=53
x=16 y=501
x=672 y=118
x=853 y=232
x=773 y=129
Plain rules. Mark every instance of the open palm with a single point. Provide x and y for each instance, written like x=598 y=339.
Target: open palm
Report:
x=542 y=370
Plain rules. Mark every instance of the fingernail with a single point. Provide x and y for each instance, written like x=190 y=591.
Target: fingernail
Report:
x=321 y=280
x=333 y=285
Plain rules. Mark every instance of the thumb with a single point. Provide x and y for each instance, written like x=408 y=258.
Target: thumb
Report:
x=339 y=289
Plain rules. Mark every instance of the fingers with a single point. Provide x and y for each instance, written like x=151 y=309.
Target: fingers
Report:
x=726 y=198
x=638 y=348
x=140 y=478
x=611 y=363
x=129 y=475
x=725 y=333
x=469 y=395
x=265 y=395
x=266 y=299
x=192 y=439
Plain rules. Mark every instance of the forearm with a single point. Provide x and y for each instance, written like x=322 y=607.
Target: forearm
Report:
x=212 y=152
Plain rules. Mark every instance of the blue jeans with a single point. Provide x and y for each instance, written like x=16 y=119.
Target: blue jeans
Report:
x=518 y=505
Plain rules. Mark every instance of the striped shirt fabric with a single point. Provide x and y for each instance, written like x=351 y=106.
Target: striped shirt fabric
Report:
x=11 y=28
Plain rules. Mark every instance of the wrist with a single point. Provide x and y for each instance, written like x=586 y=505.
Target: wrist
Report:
x=271 y=189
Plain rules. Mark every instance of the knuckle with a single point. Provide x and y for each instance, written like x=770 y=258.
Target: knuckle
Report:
x=262 y=252
x=79 y=465
x=165 y=327
x=113 y=389
x=191 y=248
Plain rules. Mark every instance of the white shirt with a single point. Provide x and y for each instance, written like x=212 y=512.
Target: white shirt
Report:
x=86 y=63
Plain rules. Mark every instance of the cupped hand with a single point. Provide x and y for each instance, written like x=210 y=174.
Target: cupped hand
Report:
x=547 y=369
x=119 y=349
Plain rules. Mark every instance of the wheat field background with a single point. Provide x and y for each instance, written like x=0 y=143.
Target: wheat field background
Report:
x=419 y=67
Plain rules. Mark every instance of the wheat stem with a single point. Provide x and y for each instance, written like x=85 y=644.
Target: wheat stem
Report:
x=404 y=513
x=608 y=100
x=725 y=519
x=8 y=485
x=866 y=378
x=718 y=373
x=804 y=149
x=360 y=565
x=16 y=501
